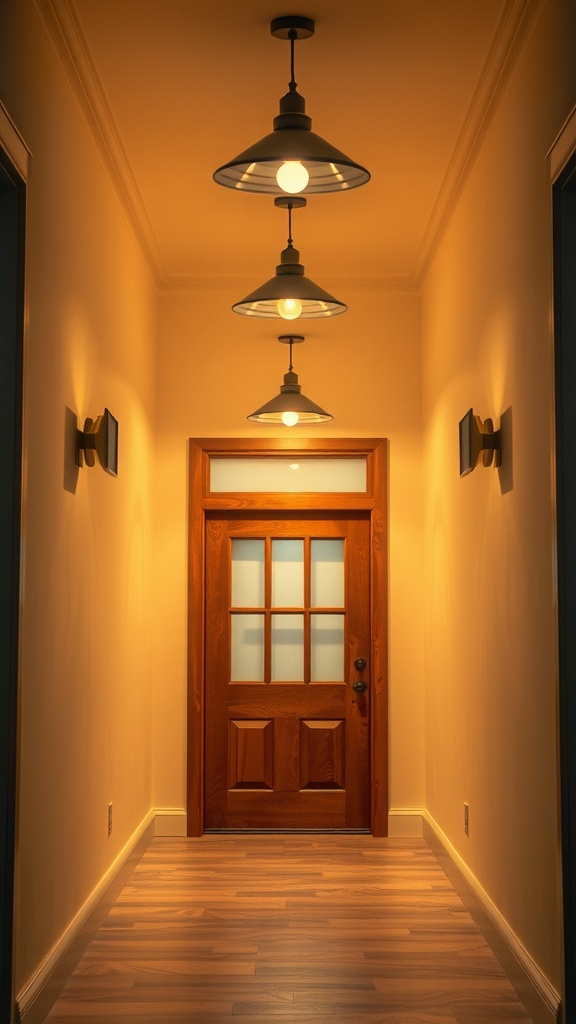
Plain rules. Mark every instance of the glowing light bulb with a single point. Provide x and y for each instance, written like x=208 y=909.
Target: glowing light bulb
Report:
x=289 y=309
x=290 y=419
x=292 y=177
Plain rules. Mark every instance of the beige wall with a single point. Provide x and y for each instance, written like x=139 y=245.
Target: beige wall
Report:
x=86 y=623
x=491 y=663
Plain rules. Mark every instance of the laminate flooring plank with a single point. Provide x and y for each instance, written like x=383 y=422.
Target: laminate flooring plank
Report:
x=298 y=928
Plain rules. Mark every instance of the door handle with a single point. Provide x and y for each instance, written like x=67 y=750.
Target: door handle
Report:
x=360 y=686
x=360 y=664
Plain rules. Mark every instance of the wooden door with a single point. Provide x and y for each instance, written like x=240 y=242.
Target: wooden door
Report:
x=287 y=618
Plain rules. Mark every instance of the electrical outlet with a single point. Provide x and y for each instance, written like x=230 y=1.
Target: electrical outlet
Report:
x=466 y=821
x=109 y=818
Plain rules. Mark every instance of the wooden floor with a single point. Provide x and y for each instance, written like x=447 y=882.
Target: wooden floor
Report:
x=308 y=929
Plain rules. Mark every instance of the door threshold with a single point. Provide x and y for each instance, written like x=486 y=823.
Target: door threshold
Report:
x=287 y=831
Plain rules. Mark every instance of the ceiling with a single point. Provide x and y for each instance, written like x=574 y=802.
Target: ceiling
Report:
x=172 y=89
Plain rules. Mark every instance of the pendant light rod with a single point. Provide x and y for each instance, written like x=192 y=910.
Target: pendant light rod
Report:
x=290 y=366
x=289 y=207
x=292 y=158
x=292 y=84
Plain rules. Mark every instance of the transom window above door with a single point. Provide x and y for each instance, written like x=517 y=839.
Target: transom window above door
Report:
x=288 y=475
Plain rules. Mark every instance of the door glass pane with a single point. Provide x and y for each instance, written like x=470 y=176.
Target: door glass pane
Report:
x=287 y=573
x=247 y=648
x=288 y=648
x=247 y=573
x=327 y=648
x=288 y=475
x=327 y=573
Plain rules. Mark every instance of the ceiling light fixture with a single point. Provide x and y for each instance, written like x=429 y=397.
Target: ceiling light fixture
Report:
x=290 y=406
x=289 y=294
x=292 y=158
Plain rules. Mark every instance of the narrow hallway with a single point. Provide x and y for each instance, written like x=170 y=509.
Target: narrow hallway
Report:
x=298 y=928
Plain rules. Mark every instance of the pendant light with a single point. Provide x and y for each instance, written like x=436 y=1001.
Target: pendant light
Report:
x=292 y=158
x=289 y=294
x=290 y=406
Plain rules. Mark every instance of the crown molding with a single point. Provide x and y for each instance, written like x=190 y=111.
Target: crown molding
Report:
x=516 y=23
x=69 y=44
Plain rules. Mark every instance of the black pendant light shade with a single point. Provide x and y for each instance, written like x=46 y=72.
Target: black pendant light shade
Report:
x=290 y=406
x=292 y=158
x=290 y=294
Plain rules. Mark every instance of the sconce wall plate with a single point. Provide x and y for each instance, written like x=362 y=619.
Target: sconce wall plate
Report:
x=478 y=442
x=99 y=439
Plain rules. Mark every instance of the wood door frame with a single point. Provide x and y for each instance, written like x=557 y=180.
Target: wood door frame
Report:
x=563 y=177
x=374 y=500
x=14 y=167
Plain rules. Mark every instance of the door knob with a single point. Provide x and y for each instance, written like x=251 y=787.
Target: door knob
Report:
x=360 y=664
x=360 y=686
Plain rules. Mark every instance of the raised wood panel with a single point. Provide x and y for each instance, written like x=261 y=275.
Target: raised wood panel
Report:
x=322 y=754
x=251 y=755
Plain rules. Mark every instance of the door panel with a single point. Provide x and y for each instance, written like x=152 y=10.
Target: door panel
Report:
x=287 y=614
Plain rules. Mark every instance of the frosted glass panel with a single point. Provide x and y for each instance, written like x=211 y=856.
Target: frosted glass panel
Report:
x=327 y=573
x=288 y=648
x=327 y=642
x=288 y=475
x=287 y=573
x=247 y=573
x=247 y=641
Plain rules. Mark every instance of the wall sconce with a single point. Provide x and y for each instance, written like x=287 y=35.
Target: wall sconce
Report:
x=292 y=158
x=478 y=441
x=99 y=438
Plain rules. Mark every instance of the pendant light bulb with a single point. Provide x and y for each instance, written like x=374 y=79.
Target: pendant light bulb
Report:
x=292 y=177
x=289 y=309
x=290 y=419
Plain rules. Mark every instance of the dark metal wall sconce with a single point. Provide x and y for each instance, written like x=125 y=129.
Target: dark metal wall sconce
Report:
x=478 y=442
x=99 y=438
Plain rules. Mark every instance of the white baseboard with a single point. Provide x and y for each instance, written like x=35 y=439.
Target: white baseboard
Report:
x=405 y=822
x=170 y=821
x=541 y=999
